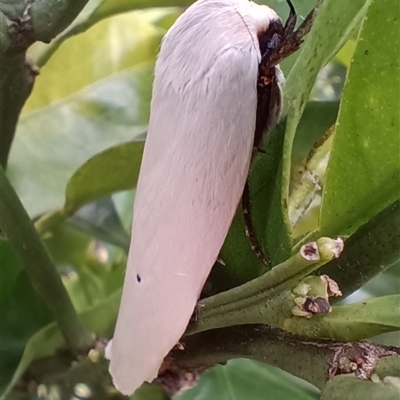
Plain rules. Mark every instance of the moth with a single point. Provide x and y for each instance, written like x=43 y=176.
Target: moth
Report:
x=217 y=89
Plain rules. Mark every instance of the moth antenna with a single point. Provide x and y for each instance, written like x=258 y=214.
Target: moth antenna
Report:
x=250 y=233
x=292 y=19
x=291 y=8
x=306 y=25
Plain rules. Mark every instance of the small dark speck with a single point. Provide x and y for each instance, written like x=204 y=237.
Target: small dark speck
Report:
x=138 y=278
x=366 y=52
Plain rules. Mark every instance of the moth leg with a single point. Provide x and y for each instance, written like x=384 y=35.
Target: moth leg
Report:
x=271 y=47
x=292 y=39
x=306 y=25
x=268 y=107
x=289 y=40
x=255 y=244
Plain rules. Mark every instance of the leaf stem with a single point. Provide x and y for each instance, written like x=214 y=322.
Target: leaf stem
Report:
x=49 y=221
x=20 y=230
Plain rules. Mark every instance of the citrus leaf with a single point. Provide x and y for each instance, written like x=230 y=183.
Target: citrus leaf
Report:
x=116 y=169
x=317 y=118
x=331 y=29
x=341 y=386
x=110 y=47
x=111 y=7
x=72 y=116
x=246 y=379
x=363 y=175
x=100 y=219
x=51 y=144
x=10 y=267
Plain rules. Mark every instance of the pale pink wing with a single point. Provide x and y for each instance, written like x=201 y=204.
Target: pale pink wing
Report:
x=194 y=167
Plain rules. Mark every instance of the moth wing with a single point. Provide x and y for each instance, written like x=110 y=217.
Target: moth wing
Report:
x=194 y=168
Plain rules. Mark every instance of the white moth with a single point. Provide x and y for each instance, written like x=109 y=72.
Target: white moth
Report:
x=195 y=164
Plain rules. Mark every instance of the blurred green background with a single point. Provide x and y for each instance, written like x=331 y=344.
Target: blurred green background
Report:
x=92 y=95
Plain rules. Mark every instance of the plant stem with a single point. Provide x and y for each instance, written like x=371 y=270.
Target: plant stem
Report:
x=253 y=301
x=269 y=308
x=16 y=82
x=309 y=359
x=257 y=289
x=49 y=221
x=16 y=224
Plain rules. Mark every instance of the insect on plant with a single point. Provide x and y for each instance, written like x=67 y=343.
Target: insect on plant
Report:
x=276 y=43
x=217 y=89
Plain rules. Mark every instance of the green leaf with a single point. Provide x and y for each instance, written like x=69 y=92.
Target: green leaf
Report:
x=331 y=29
x=21 y=312
x=100 y=320
x=111 y=7
x=101 y=220
x=10 y=267
x=246 y=379
x=386 y=283
x=388 y=366
x=340 y=387
x=123 y=203
x=50 y=145
x=265 y=183
x=110 y=47
x=317 y=118
x=363 y=175
x=149 y=392
x=346 y=53
x=94 y=14
x=351 y=322
x=116 y=169
x=73 y=115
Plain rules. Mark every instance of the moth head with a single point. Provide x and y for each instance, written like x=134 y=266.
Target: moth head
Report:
x=269 y=27
x=265 y=18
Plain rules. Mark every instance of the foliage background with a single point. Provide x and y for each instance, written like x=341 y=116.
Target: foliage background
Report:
x=92 y=96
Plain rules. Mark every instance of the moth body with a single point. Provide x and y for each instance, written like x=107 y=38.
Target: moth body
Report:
x=195 y=164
